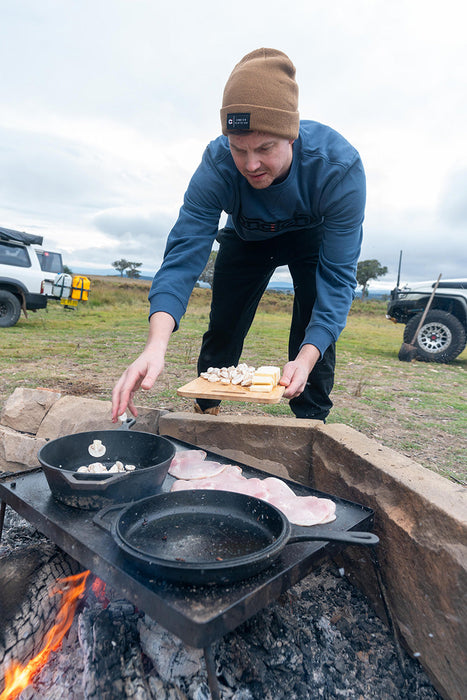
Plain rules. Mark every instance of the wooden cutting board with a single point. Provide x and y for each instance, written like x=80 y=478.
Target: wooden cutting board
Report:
x=202 y=389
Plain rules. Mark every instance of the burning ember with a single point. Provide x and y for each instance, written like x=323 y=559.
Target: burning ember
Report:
x=17 y=678
x=98 y=588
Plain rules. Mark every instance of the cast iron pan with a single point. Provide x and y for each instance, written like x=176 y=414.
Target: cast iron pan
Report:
x=60 y=459
x=210 y=536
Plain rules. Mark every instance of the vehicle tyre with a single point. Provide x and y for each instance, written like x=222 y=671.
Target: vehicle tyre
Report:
x=10 y=309
x=440 y=339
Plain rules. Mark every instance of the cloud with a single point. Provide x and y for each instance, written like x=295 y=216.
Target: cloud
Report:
x=429 y=245
x=45 y=172
x=453 y=202
x=139 y=235
x=93 y=183
x=107 y=107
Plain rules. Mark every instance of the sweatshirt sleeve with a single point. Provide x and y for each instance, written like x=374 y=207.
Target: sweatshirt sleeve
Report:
x=343 y=206
x=190 y=241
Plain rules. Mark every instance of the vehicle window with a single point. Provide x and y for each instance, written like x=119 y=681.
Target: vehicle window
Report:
x=50 y=262
x=14 y=255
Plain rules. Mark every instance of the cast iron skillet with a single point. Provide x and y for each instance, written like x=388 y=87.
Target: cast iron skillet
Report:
x=208 y=536
x=60 y=459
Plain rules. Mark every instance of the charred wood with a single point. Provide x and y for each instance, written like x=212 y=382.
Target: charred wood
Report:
x=113 y=667
x=27 y=611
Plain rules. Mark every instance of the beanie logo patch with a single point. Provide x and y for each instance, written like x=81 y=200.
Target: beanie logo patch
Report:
x=239 y=121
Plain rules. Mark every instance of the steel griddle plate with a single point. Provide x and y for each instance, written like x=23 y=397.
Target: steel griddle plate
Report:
x=197 y=615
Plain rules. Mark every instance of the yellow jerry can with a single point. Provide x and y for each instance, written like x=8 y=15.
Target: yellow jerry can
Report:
x=80 y=288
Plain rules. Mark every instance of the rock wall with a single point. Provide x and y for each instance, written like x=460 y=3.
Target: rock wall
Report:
x=420 y=517
x=31 y=417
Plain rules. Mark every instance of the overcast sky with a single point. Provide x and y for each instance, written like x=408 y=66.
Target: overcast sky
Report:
x=106 y=107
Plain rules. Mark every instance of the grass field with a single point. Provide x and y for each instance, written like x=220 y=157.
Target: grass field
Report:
x=417 y=408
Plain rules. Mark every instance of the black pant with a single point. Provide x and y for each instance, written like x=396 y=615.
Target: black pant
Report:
x=241 y=275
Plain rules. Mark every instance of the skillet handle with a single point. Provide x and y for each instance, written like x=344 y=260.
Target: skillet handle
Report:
x=127 y=424
x=346 y=536
x=99 y=517
x=91 y=484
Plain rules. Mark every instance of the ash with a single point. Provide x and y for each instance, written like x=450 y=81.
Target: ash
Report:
x=320 y=640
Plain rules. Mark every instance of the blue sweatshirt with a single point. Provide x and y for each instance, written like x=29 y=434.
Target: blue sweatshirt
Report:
x=324 y=192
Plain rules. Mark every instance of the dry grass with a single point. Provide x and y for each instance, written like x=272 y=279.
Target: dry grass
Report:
x=418 y=409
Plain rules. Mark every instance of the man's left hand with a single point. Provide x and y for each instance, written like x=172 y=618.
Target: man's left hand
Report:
x=295 y=374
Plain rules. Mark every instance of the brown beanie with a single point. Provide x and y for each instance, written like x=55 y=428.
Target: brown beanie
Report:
x=261 y=95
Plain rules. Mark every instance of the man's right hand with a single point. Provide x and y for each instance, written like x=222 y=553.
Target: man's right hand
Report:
x=143 y=372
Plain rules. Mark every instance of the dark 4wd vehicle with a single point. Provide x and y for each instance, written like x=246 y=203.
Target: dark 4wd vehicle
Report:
x=442 y=336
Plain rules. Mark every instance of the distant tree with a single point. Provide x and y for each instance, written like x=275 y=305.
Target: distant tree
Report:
x=133 y=272
x=369 y=270
x=67 y=270
x=208 y=272
x=121 y=265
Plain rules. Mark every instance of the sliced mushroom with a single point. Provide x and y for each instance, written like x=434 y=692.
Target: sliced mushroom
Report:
x=97 y=468
x=96 y=448
x=240 y=375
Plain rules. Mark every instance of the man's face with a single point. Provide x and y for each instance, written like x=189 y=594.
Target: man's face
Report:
x=261 y=158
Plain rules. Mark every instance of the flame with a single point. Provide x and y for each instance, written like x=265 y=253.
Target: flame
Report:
x=98 y=588
x=18 y=677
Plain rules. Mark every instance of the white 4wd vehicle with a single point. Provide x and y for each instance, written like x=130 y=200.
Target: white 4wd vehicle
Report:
x=442 y=336
x=28 y=275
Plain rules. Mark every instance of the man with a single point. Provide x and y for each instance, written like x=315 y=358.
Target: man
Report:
x=294 y=193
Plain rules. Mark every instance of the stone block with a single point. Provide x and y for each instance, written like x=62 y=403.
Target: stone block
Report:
x=421 y=519
x=26 y=408
x=279 y=446
x=18 y=451
x=73 y=414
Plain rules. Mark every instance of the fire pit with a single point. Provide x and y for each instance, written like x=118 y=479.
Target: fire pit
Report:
x=199 y=616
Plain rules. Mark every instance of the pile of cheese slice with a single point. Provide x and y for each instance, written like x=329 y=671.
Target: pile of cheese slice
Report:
x=265 y=378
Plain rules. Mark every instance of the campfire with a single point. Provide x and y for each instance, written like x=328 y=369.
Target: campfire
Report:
x=194 y=593
x=18 y=677
x=319 y=639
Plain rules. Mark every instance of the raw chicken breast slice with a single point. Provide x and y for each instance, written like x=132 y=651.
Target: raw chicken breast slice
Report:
x=183 y=485
x=250 y=487
x=309 y=510
x=278 y=492
x=188 y=457
x=220 y=481
x=196 y=470
x=300 y=510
